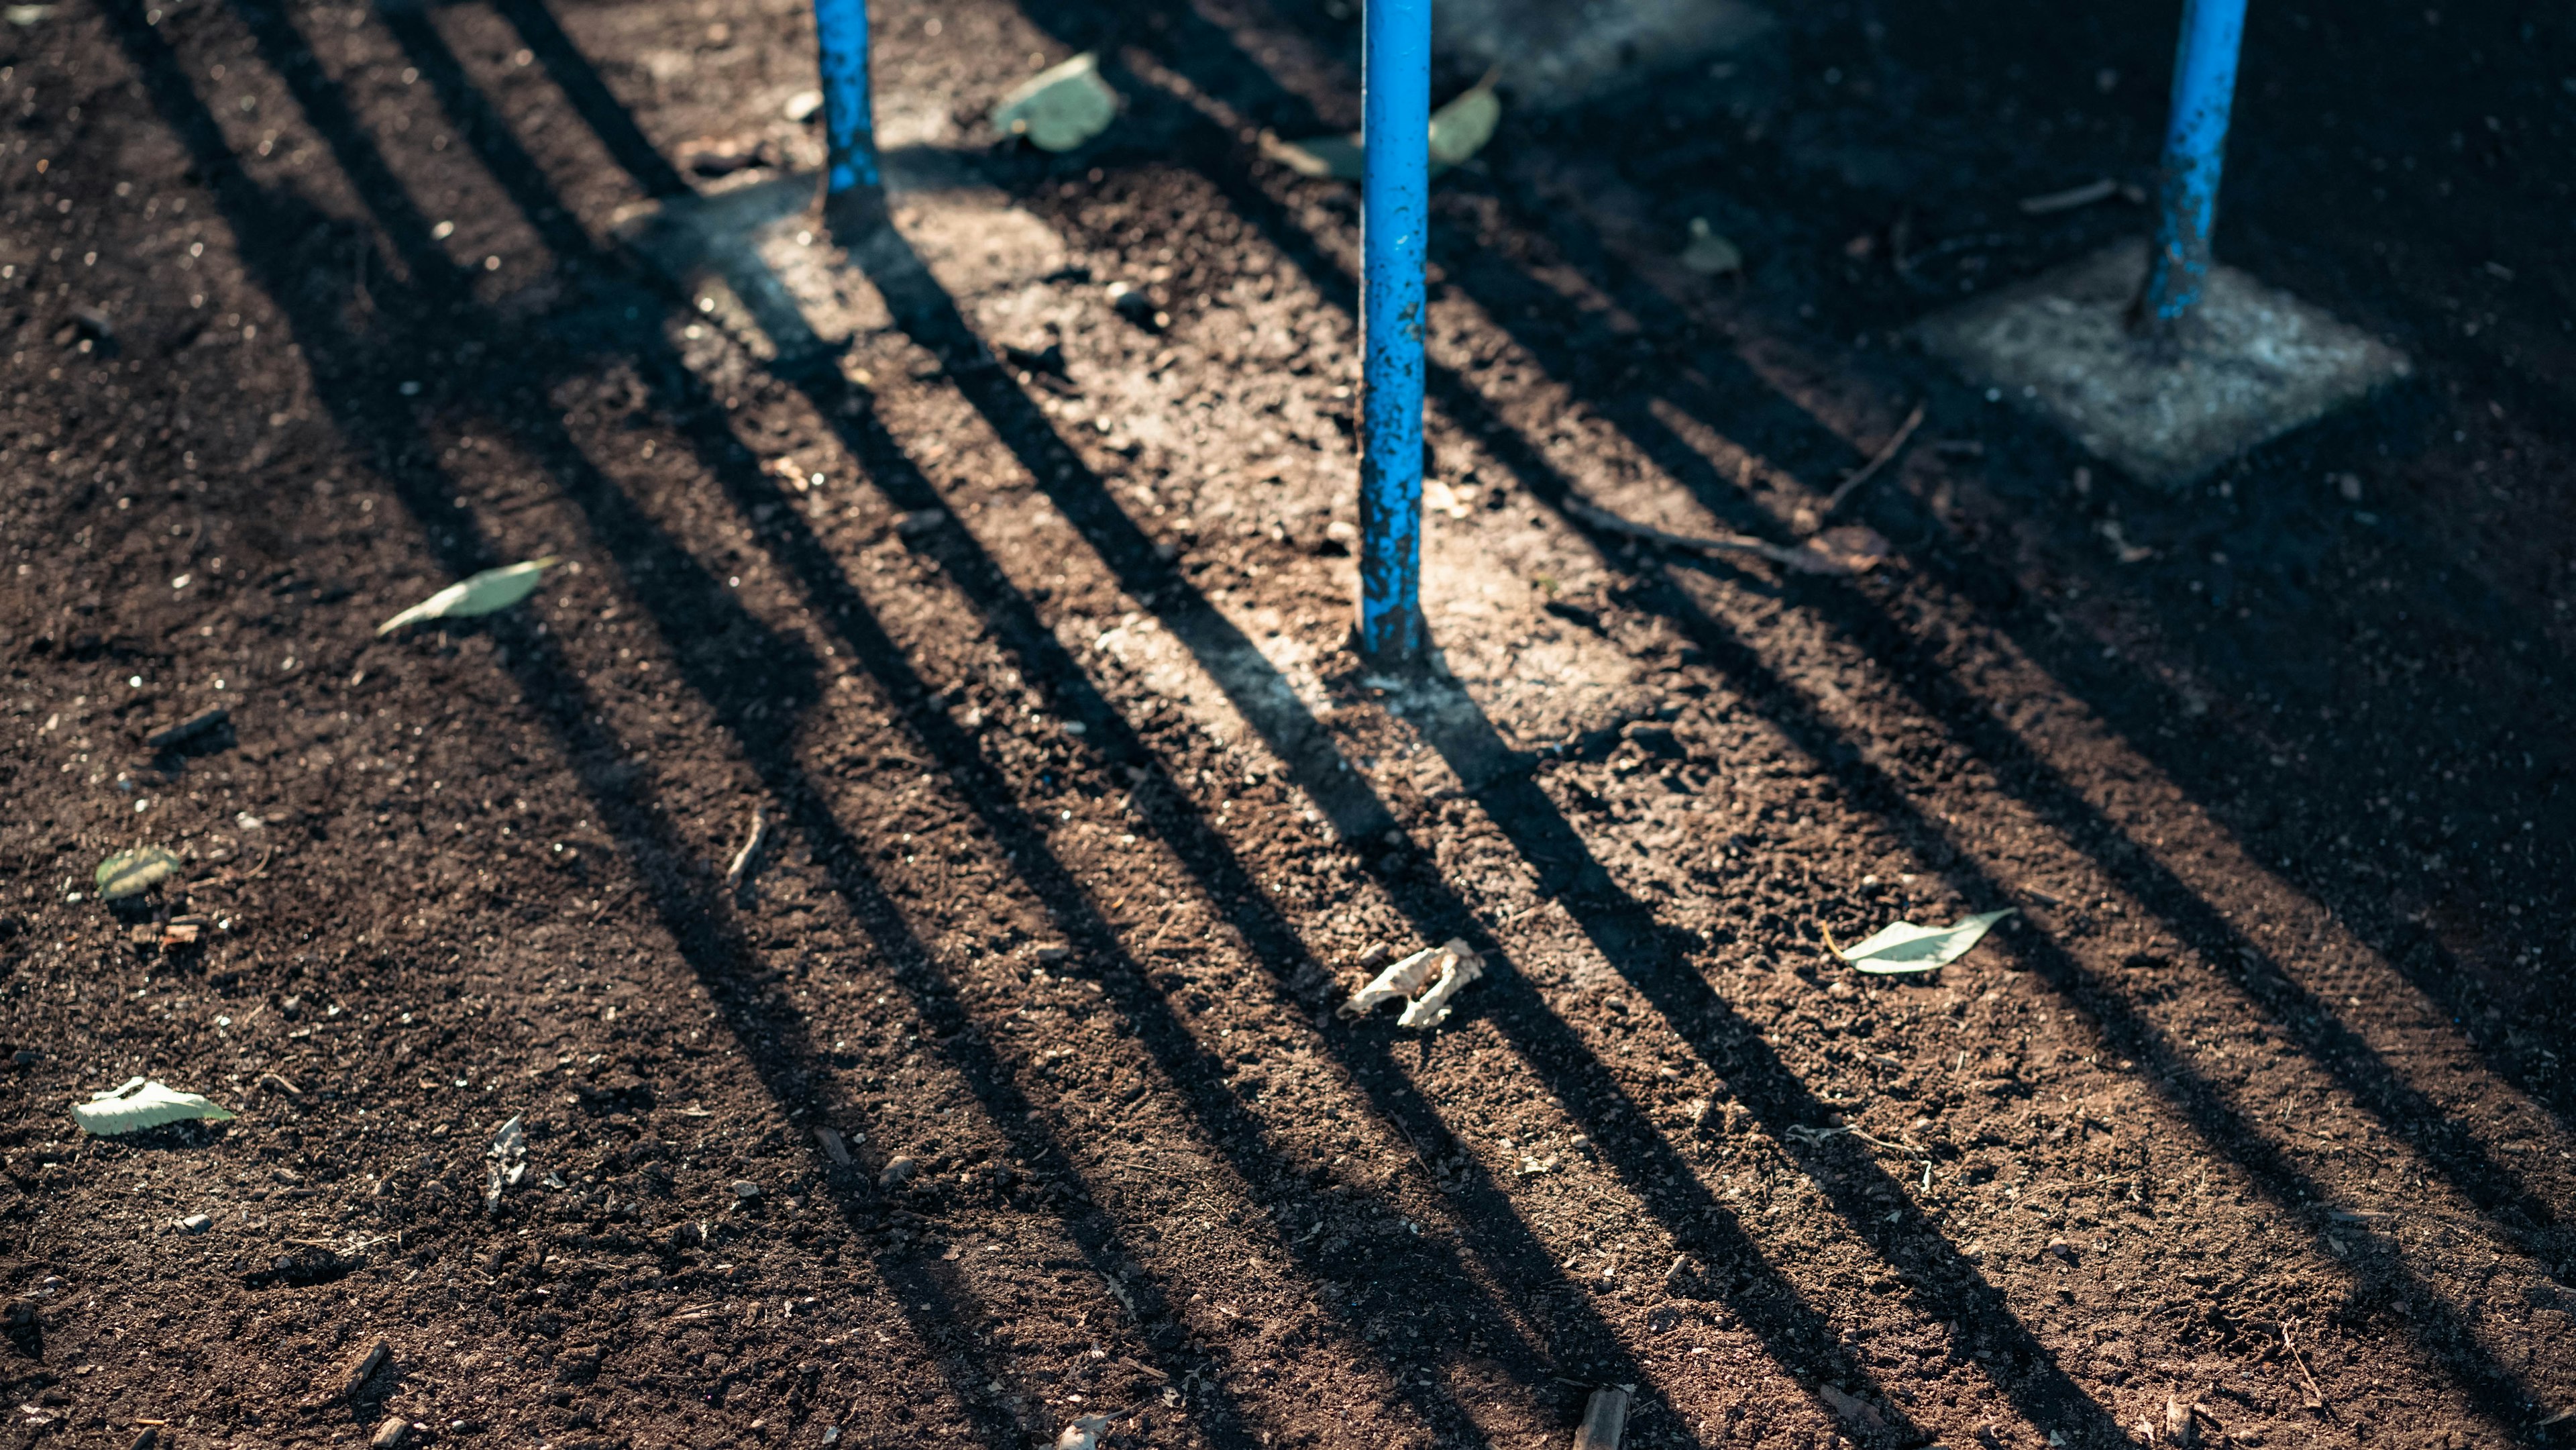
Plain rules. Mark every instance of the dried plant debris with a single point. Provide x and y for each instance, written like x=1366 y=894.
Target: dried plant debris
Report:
x=1455 y=963
x=749 y=856
x=1085 y=1433
x=131 y=873
x=1061 y=107
x=509 y=1155
x=1905 y=947
x=141 y=1104
x=484 y=593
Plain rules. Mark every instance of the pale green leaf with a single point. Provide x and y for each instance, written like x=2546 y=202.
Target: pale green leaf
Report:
x=1710 y=254
x=1461 y=128
x=131 y=873
x=1906 y=947
x=1061 y=107
x=140 y=1104
x=493 y=589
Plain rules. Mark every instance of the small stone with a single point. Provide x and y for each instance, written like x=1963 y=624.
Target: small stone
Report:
x=188 y=729
x=897 y=1170
x=745 y=1189
x=26 y=1057
x=803 y=106
x=1055 y=954
x=394 y=1433
x=195 y=1223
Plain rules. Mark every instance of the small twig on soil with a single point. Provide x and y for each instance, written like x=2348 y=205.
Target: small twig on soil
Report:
x=1602 y=519
x=2316 y=1397
x=1884 y=456
x=736 y=873
x=2071 y=198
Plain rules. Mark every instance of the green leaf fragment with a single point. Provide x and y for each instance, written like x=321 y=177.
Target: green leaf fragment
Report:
x=1459 y=130
x=131 y=873
x=141 y=1104
x=1709 y=253
x=1906 y=947
x=1061 y=107
x=484 y=593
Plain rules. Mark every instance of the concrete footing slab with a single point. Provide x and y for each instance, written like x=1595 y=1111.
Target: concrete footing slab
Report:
x=2250 y=364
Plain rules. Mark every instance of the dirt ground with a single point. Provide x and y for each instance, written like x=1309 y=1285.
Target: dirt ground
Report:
x=1006 y=1088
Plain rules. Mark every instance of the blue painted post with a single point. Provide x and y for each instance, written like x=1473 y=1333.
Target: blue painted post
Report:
x=2195 y=144
x=1395 y=188
x=850 y=182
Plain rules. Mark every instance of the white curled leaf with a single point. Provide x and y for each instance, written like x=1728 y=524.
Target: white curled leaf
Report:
x=484 y=593
x=140 y=1104
x=131 y=873
x=1905 y=947
x=1060 y=107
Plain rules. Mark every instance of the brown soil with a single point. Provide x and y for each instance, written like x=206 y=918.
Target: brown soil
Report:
x=1081 y=818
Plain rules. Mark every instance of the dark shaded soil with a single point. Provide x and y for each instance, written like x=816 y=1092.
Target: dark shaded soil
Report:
x=1006 y=1088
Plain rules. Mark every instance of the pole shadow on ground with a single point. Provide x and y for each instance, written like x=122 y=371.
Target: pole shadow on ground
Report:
x=747 y=665
x=1472 y=747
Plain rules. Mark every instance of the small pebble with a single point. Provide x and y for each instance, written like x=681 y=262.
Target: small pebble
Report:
x=745 y=1189
x=897 y=1170
x=196 y=1223
x=390 y=1435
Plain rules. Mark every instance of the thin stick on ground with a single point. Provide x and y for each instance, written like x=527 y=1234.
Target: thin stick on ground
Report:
x=1608 y=522
x=1886 y=455
x=740 y=870
x=2316 y=1397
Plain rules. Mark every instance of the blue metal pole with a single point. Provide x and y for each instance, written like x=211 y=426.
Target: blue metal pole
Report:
x=2204 y=88
x=1395 y=188
x=849 y=133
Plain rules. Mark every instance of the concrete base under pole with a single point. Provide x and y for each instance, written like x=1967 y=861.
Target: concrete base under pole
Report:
x=2250 y=364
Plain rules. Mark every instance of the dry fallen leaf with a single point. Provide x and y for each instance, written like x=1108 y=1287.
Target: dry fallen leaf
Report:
x=1850 y=548
x=1710 y=254
x=141 y=1104
x=1061 y=107
x=1905 y=947
x=131 y=873
x=484 y=593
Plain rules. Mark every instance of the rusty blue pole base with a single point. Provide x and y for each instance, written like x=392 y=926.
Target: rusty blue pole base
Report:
x=2204 y=92
x=1395 y=194
x=854 y=205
